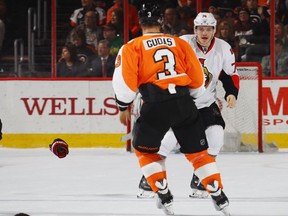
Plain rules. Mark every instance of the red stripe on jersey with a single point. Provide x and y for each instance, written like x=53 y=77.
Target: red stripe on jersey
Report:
x=236 y=81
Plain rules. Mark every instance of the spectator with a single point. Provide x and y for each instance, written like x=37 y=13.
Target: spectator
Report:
x=258 y=13
x=281 y=61
x=281 y=34
x=172 y=24
x=184 y=31
x=225 y=8
x=103 y=4
x=3 y=9
x=2 y=34
x=252 y=6
x=264 y=3
x=133 y=17
x=163 y=4
x=117 y=19
x=69 y=65
x=281 y=8
x=77 y=17
x=225 y=31
x=187 y=15
x=252 y=39
x=183 y=3
x=84 y=50
x=92 y=29
x=285 y=19
x=104 y=64
x=193 y=4
x=168 y=3
x=110 y=34
x=218 y=17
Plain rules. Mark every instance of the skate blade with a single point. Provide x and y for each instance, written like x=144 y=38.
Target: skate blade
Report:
x=146 y=195
x=193 y=196
x=226 y=211
x=199 y=194
x=167 y=209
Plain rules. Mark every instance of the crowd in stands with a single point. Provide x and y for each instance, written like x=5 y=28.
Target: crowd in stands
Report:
x=244 y=24
x=99 y=25
x=97 y=35
x=3 y=9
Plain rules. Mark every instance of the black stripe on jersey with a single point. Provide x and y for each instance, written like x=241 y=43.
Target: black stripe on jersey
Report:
x=122 y=105
x=228 y=84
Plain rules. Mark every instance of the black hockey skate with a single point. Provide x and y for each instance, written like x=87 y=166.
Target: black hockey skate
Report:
x=219 y=198
x=164 y=199
x=198 y=190
x=145 y=191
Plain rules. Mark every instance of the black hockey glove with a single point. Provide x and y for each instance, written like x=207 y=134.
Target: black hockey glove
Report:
x=59 y=147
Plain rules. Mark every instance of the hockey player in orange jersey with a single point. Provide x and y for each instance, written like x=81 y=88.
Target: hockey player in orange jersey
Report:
x=167 y=73
x=218 y=62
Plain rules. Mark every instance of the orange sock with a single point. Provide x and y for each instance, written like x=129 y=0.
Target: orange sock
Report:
x=152 y=166
x=205 y=167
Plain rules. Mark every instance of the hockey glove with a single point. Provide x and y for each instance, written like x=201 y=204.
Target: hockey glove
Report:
x=59 y=147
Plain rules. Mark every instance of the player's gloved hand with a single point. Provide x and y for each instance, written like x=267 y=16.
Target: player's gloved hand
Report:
x=59 y=147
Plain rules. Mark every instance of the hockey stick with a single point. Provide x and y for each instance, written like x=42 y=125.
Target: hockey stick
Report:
x=126 y=137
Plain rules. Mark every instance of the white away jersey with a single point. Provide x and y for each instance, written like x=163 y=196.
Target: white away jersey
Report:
x=219 y=57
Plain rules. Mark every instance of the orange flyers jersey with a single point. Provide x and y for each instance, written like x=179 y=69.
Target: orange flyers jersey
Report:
x=160 y=59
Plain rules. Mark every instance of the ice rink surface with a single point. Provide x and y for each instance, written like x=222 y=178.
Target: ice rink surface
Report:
x=96 y=181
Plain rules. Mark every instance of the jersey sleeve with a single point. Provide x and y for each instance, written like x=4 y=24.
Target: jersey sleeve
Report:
x=185 y=37
x=228 y=59
x=195 y=72
x=102 y=15
x=229 y=76
x=73 y=18
x=124 y=80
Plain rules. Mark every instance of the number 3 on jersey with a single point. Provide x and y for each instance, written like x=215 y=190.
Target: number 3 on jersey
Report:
x=169 y=63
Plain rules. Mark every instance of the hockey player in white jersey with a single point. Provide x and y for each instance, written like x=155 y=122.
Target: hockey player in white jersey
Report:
x=218 y=62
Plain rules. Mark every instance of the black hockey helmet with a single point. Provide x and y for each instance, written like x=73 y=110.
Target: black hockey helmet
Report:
x=150 y=13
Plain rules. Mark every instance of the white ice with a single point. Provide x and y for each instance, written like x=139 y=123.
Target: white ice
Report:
x=97 y=181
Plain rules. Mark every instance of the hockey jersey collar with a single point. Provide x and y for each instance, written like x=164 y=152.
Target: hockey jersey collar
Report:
x=209 y=48
x=153 y=33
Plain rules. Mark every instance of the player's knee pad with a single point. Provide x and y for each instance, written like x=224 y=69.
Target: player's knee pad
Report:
x=215 y=138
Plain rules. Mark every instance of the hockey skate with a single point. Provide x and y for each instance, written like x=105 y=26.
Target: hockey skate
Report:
x=198 y=190
x=145 y=191
x=219 y=198
x=164 y=198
